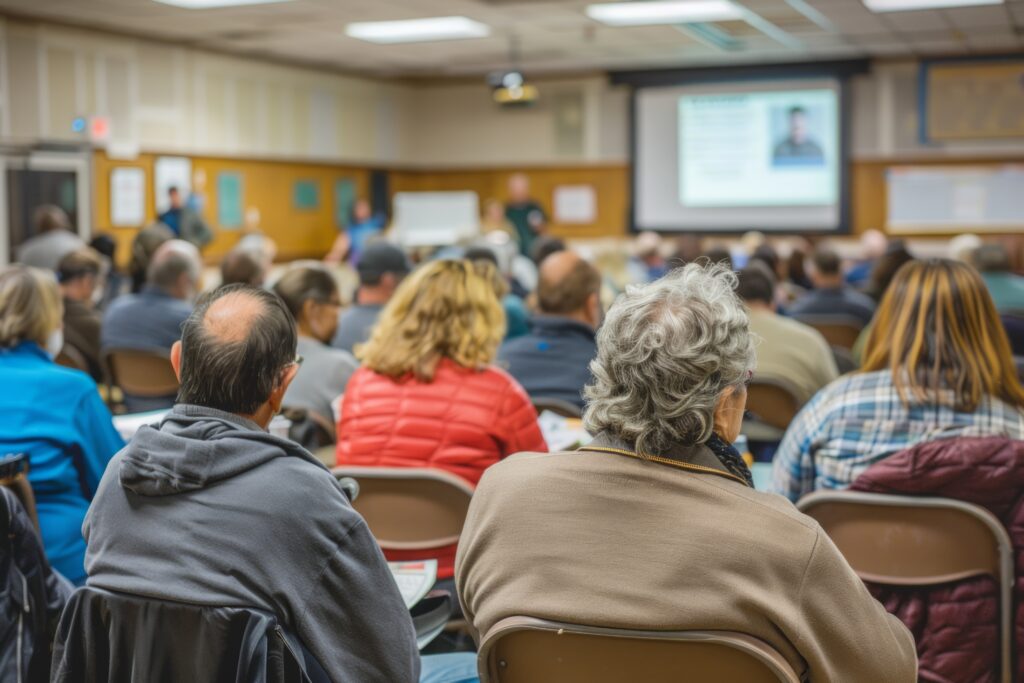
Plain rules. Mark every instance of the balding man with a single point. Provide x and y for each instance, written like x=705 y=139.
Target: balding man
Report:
x=208 y=508
x=552 y=360
x=151 y=320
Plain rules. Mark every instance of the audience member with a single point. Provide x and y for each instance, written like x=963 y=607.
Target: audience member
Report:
x=311 y=295
x=896 y=254
x=1005 y=287
x=363 y=226
x=552 y=361
x=80 y=277
x=495 y=220
x=209 y=508
x=687 y=250
x=525 y=214
x=243 y=267
x=719 y=254
x=114 y=281
x=559 y=537
x=151 y=320
x=427 y=394
x=647 y=263
x=52 y=239
x=545 y=246
x=381 y=269
x=873 y=244
x=53 y=415
x=937 y=365
x=184 y=220
x=789 y=351
x=962 y=247
x=516 y=316
x=830 y=295
x=795 y=267
x=145 y=244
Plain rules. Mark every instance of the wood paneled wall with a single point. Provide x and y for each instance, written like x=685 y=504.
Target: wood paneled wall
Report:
x=266 y=185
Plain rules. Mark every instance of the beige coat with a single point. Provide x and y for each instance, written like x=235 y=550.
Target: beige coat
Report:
x=791 y=351
x=603 y=539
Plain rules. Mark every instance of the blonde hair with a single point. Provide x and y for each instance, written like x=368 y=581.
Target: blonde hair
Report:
x=938 y=333
x=30 y=305
x=445 y=309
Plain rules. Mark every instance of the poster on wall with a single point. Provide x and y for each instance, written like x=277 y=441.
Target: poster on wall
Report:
x=306 y=195
x=171 y=172
x=344 y=199
x=127 y=197
x=229 y=200
x=575 y=204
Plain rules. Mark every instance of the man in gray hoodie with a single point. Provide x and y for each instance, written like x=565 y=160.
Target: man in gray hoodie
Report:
x=208 y=508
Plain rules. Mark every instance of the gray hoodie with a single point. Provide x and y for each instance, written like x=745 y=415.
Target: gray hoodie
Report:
x=210 y=509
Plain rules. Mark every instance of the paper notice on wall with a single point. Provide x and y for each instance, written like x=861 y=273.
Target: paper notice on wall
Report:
x=127 y=197
x=575 y=204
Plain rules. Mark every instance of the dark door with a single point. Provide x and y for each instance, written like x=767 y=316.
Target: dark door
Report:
x=27 y=190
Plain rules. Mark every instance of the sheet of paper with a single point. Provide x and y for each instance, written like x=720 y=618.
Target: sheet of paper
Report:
x=561 y=433
x=575 y=204
x=414 y=579
x=127 y=425
x=127 y=197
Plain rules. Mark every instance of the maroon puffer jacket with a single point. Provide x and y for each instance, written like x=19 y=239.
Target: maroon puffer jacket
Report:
x=986 y=471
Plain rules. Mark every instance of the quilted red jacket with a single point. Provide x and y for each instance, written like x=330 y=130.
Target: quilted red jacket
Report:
x=956 y=626
x=462 y=422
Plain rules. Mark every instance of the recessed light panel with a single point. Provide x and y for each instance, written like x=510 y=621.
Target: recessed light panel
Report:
x=417 y=30
x=663 y=12
x=909 y=5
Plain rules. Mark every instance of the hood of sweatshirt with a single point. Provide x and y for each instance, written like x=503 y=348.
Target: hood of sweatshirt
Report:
x=195 y=447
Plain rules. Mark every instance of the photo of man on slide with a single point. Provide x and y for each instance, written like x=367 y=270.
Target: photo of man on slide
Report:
x=798 y=148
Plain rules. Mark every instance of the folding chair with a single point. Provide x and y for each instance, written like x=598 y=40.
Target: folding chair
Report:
x=556 y=406
x=526 y=650
x=911 y=541
x=142 y=373
x=70 y=357
x=838 y=330
x=410 y=508
x=772 y=403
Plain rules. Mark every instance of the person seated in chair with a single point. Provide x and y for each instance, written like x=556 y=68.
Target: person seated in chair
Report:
x=552 y=360
x=831 y=296
x=656 y=525
x=208 y=508
x=80 y=274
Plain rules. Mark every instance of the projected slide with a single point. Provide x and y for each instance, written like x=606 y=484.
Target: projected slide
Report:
x=739 y=155
x=758 y=149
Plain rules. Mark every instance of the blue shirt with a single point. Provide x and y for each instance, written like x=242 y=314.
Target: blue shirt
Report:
x=150 y=320
x=859 y=419
x=553 y=360
x=56 y=417
x=172 y=219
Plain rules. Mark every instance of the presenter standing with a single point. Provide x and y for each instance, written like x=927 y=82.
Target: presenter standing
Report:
x=525 y=214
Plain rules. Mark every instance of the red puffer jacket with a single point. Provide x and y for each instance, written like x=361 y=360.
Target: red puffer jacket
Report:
x=462 y=422
x=956 y=625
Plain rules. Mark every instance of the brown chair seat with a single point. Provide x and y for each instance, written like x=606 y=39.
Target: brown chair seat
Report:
x=142 y=373
x=838 y=330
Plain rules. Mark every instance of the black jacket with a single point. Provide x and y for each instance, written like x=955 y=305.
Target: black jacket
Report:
x=32 y=596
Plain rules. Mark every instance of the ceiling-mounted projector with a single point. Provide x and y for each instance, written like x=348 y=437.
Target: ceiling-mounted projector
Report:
x=510 y=89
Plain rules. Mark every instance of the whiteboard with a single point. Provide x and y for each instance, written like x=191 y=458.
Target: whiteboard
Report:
x=435 y=219
x=955 y=198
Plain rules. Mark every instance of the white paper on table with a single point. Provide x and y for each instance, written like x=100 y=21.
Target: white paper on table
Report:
x=575 y=204
x=127 y=425
x=127 y=197
x=414 y=579
x=559 y=433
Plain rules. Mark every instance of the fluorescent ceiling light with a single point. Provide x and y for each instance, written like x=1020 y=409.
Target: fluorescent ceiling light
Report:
x=663 y=12
x=417 y=30
x=208 y=4
x=905 y=5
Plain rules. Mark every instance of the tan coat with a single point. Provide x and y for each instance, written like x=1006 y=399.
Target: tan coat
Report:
x=603 y=539
x=791 y=351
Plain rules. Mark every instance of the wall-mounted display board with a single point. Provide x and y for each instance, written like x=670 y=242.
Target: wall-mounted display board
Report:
x=971 y=99
x=934 y=198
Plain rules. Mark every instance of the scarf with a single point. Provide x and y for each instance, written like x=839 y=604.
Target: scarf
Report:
x=730 y=459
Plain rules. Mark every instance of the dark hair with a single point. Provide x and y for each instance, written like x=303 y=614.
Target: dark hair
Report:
x=545 y=246
x=718 y=255
x=755 y=285
x=241 y=266
x=49 y=217
x=896 y=254
x=481 y=254
x=303 y=283
x=105 y=245
x=236 y=376
x=766 y=254
x=826 y=260
x=172 y=189
x=570 y=293
x=793 y=111
x=78 y=264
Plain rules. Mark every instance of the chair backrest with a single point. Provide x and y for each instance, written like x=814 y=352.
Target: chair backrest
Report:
x=142 y=373
x=70 y=357
x=108 y=636
x=911 y=541
x=773 y=401
x=410 y=508
x=556 y=406
x=525 y=650
x=838 y=330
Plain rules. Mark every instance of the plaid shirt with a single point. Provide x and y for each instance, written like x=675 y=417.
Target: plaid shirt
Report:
x=859 y=419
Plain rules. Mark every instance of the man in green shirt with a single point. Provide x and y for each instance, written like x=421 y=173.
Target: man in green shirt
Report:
x=524 y=213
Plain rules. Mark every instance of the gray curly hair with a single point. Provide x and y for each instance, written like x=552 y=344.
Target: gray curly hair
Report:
x=665 y=354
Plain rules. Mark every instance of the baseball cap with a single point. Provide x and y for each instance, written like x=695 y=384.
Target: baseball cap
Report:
x=380 y=258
